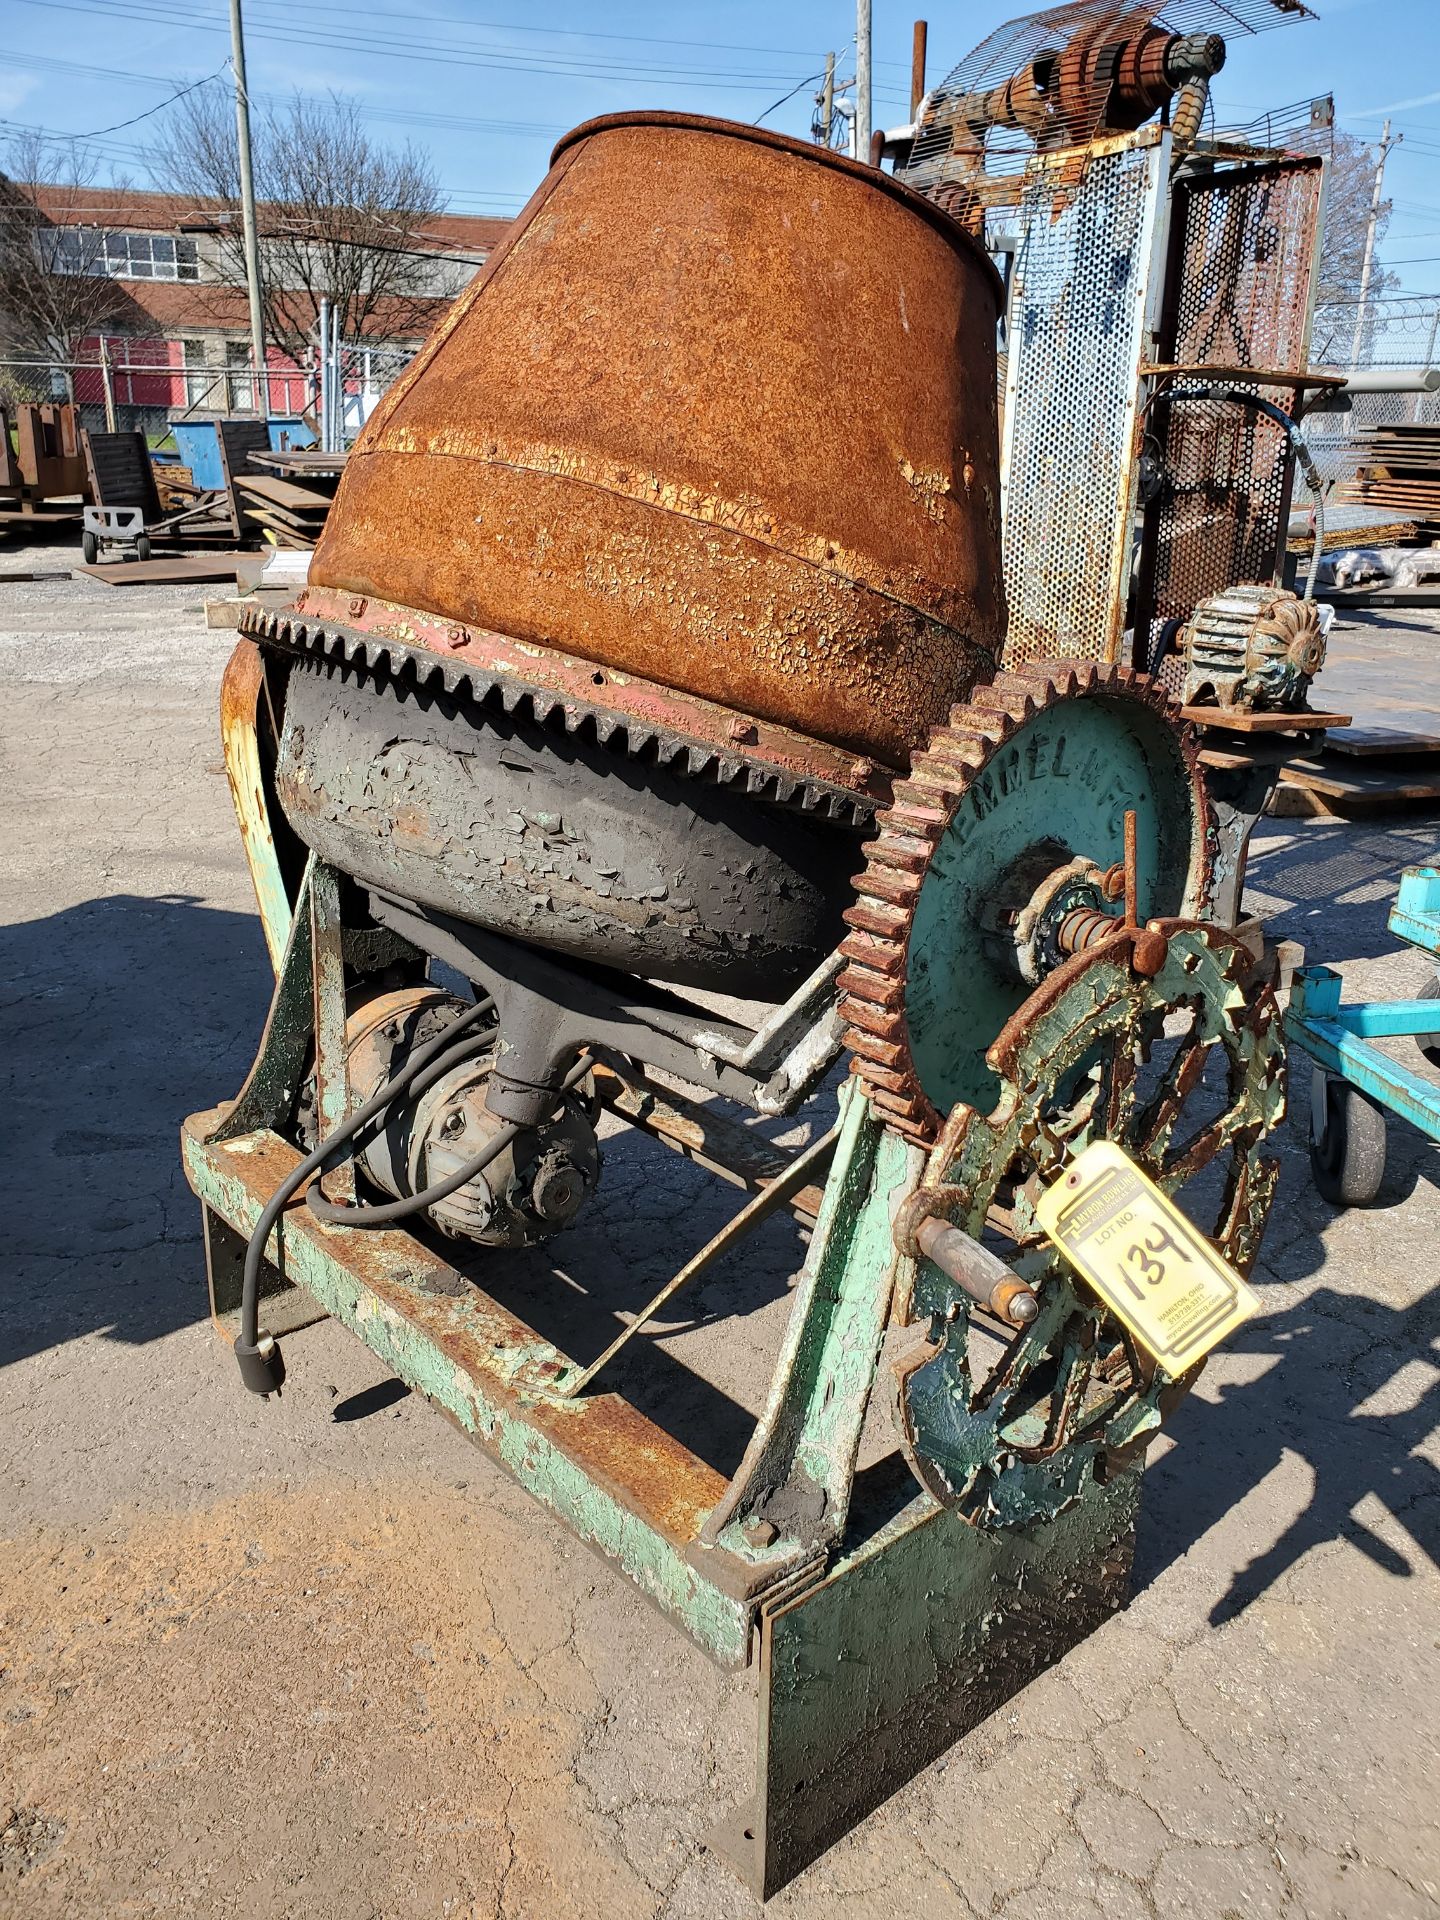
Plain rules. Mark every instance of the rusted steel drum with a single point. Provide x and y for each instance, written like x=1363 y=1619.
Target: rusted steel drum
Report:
x=720 y=410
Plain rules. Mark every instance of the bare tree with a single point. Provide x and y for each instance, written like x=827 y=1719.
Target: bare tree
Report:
x=340 y=217
x=54 y=290
x=1347 y=210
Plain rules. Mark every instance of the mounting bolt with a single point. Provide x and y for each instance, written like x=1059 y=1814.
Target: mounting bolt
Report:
x=358 y=606
x=759 y=1532
x=456 y=638
x=1149 y=952
x=744 y=732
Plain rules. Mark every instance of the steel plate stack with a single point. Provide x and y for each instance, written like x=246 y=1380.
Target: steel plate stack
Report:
x=1399 y=469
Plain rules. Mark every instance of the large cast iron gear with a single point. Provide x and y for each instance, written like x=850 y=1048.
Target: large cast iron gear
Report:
x=1013 y=803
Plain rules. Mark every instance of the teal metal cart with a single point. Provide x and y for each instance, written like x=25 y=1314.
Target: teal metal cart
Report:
x=1355 y=1085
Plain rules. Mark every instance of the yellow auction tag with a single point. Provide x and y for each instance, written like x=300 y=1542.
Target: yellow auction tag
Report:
x=1142 y=1256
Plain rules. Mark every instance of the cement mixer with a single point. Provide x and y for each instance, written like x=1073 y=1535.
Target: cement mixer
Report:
x=619 y=685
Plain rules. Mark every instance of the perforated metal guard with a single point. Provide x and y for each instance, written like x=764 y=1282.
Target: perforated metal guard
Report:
x=1084 y=281
x=1243 y=252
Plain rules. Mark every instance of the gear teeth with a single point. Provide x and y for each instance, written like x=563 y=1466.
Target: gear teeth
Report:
x=496 y=690
x=897 y=885
x=885 y=1025
x=869 y=985
x=873 y=983
x=907 y=815
x=877 y=916
x=876 y=955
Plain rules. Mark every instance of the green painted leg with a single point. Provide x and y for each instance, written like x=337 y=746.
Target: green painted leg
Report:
x=913 y=1638
x=270 y=1088
x=332 y=1083
x=787 y=1504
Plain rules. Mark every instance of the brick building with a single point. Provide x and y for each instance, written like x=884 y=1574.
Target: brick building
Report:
x=179 y=340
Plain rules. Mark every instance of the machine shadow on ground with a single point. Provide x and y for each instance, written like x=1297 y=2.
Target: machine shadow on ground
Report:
x=1330 y=1394
x=122 y=1015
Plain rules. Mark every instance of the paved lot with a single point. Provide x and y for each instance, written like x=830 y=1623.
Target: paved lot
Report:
x=321 y=1658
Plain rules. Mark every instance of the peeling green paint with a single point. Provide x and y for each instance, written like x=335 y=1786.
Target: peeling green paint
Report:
x=476 y=1396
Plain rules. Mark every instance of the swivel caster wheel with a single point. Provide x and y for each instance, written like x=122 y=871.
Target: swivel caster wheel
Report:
x=90 y=547
x=1347 y=1142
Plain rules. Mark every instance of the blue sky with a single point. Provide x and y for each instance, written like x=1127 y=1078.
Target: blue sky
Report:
x=488 y=85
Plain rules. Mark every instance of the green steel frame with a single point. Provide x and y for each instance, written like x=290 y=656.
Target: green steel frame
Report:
x=882 y=1625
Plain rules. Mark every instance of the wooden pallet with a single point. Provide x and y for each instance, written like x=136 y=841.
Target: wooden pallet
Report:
x=291 y=514
x=182 y=570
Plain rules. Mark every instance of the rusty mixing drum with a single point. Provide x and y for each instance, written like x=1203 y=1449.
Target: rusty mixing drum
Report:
x=636 y=437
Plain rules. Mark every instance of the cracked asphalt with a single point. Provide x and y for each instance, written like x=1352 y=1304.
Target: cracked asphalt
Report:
x=320 y=1657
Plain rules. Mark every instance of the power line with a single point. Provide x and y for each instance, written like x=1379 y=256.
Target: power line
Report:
x=427 y=52
x=809 y=81
x=137 y=118
x=418 y=116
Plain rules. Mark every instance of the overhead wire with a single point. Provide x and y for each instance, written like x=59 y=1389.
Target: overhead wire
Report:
x=135 y=119
x=262 y=24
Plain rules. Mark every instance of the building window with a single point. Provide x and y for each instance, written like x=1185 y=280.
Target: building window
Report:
x=198 y=377
x=239 y=386
x=123 y=256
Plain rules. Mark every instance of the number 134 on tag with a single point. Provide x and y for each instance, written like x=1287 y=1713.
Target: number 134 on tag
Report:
x=1149 y=1265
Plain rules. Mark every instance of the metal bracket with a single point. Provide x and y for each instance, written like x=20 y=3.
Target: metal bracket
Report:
x=792 y=1491
x=913 y=1638
x=332 y=1080
x=273 y=1082
x=549 y=1011
x=778 y=1193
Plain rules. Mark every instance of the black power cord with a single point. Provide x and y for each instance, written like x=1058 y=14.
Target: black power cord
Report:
x=385 y=1215
x=258 y=1357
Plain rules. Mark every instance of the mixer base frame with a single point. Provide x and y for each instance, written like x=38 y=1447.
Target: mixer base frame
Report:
x=918 y=1628
x=882 y=1625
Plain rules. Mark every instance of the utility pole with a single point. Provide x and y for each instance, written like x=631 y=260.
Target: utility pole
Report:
x=827 y=100
x=261 y=391
x=917 y=67
x=1371 y=222
x=862 y=79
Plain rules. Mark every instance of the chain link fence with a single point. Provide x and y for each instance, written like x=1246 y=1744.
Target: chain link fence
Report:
x=147 y=386
x=1396 y=331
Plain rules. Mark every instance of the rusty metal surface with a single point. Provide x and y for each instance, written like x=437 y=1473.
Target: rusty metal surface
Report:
x=624 y=440
x=1243 y=254
x=629 y=1488
x=693 y=737
x=1064 y=77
